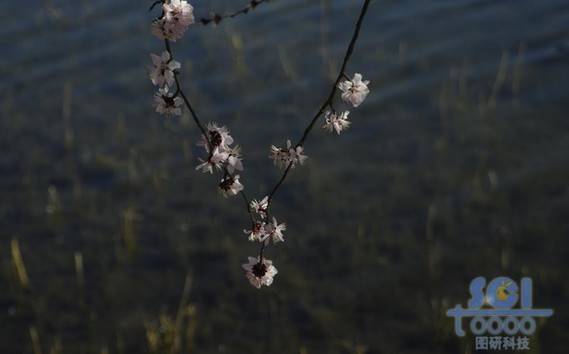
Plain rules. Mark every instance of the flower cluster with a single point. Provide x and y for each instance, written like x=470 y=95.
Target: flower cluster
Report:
x=291 y=155
x=177 y=15
x=221 y=156
x=354 y=92
x=263 y=230
x=266 y=231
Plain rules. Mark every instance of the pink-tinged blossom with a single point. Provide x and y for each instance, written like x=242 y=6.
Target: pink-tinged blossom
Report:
x=230 y=186
x=166 y=103
x=278 y=156
x=162 y=69
x=215 y=161
x=336 y=122
x=274 y=231
x=179 y=11
x=260 y=271
x=282 y=157
x=219 y=138
x=354 y=91
x=257 y=232
x=234 y=161
x=177 y=16
x=158 y=28
x=266 y=231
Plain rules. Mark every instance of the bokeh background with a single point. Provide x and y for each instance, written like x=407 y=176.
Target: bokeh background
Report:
x=456 y=166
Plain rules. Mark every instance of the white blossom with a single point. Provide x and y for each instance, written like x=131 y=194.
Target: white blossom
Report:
x=218 y=137
x=162 y=69
x=179 y=11
x=336 y=122
x=278 y=156
x=274 y=231
x=260 y=207
x=166 y=103
x=266 y=231
x=178 y=15
x=354 y=91
x=260 y=271
x=296 y=154
x=230 y=185
x=215 y=160
x=282 y=157
x=257 y=232
x=158 y=28
x=220 y=140
x=234 y=161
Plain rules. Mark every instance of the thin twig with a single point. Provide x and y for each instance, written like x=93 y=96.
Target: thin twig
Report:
x=248 y=206
x=274 y=190
x=327 y=102
x=330 y=98
x=216 y=18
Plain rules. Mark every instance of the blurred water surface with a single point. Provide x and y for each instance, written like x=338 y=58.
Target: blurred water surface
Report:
x=456 y=166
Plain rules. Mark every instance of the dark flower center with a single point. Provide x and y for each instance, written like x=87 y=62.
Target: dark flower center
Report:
x=259 y=270
x=226 y=183
x=169 y=101
x=215 y=138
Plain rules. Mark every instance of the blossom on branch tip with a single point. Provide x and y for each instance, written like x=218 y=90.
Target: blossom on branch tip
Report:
x=230 y=186
x=283 y=157
x=167 y=103
x=260 y=271
x=354 y=91
x=162 y=69
x=336 y=122
x=177 y=16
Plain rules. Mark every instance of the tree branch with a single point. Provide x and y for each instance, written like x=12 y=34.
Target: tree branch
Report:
x=330 y=98
x=201 y=126
x=216 y=18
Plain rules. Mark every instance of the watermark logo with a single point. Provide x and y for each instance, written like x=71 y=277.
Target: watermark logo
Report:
x=495 y=323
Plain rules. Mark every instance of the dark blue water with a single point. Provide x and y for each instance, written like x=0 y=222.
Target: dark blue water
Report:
x=456 y=166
